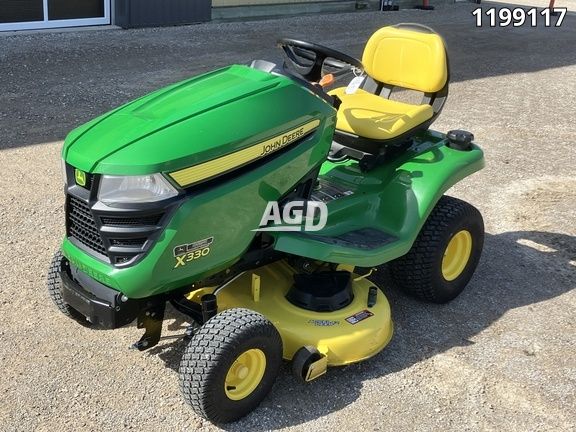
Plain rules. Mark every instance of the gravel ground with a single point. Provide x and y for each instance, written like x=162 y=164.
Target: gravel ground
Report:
x=500 y=357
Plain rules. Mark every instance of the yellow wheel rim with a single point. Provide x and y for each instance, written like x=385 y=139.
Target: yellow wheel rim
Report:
x=456 y=255
x=245 y=374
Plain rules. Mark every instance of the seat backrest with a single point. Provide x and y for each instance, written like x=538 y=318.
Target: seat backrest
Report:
x=407 y=55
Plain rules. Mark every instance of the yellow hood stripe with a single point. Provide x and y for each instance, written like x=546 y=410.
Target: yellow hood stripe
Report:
x=204 y=171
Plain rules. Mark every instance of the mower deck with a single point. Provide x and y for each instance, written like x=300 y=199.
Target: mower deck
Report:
x=348 y=335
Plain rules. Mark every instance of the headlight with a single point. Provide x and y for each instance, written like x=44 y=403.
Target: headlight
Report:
x=135 y=189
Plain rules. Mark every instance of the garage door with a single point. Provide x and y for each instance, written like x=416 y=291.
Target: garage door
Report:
x=38 y=14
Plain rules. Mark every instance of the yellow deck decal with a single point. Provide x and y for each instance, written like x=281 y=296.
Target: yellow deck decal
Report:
x=206 y=170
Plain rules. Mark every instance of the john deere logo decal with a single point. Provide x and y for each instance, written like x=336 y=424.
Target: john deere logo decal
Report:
x=80 y=177
x=207 y=170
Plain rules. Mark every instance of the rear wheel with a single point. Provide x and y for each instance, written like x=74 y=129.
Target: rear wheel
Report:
x=445 y=254
x=230 y=365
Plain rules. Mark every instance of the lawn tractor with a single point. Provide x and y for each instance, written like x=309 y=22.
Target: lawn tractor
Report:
x=257 y=202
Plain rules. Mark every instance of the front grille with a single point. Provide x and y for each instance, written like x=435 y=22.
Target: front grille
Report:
x=82 y=227
x=137 y=242
x=119 y=236
x=134 y=221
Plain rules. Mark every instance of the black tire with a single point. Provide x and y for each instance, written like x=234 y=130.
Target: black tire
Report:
x=419 y=272
x=211 y=353
x=302 y=360
x=54 y=284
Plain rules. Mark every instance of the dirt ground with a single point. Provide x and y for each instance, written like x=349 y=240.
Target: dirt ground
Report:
x=500 y=357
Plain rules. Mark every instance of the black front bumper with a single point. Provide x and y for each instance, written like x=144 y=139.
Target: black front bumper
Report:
x=101 y=305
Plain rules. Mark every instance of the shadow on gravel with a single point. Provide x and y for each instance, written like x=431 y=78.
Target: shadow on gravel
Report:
x=510 y=275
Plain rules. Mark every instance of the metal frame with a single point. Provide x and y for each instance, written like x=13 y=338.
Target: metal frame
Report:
x=47 y=24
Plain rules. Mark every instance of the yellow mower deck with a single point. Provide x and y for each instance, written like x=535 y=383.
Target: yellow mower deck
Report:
x=349 y=335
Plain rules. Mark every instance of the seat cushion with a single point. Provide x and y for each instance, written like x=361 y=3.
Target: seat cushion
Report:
x=407 y=58
x=374 y=117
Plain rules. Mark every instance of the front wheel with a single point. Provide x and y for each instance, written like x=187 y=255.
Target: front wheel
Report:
x=445 y=254
x=230 y=365
x=54 y=285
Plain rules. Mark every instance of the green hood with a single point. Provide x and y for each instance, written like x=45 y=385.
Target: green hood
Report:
x=190 y=122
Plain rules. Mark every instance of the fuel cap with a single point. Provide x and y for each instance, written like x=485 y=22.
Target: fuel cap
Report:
x=459 y=139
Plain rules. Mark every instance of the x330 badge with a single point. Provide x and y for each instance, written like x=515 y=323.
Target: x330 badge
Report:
x=188 y=252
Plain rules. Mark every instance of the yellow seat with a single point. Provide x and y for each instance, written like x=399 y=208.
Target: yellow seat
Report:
x=408 y=56
x=370 y=116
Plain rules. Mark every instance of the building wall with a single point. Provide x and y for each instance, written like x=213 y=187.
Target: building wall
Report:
x=40 y=14
x=223 y=3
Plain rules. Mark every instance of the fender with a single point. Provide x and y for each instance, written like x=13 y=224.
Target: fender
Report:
x=379 y=214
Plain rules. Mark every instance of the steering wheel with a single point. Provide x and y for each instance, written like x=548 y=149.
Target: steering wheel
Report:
x=308 y=59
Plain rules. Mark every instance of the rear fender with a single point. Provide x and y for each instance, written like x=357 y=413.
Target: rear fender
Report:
x=395 y=199
x=418 y=184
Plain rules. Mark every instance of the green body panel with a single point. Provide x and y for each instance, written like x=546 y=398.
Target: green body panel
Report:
x=395 y=198
x=191 y=122
x=227 y=212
